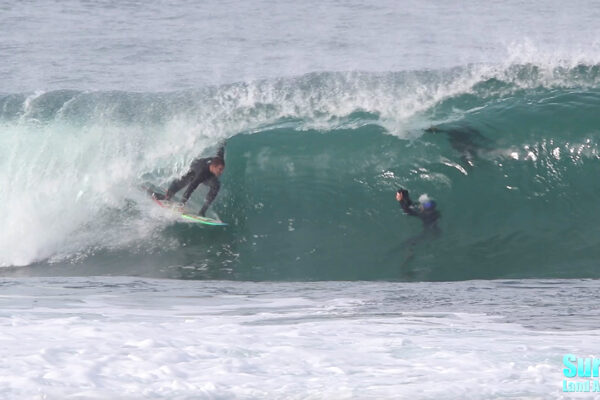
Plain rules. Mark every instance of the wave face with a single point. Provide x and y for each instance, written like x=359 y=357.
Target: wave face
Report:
x=313 y=163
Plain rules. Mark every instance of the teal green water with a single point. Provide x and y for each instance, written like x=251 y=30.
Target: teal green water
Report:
x=513 y=164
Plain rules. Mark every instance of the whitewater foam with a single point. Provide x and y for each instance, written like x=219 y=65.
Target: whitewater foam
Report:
x=133 y=338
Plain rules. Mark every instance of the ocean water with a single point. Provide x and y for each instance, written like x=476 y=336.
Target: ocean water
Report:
x=311 y=291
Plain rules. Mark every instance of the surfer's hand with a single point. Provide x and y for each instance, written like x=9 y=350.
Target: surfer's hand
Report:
x=403 y=197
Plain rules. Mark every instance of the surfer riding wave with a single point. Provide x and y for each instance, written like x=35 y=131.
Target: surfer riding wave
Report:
x=202 y=170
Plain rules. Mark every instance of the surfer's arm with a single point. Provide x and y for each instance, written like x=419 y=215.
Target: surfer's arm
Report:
x=409 y=209
x=215 y=185
x=406 y=203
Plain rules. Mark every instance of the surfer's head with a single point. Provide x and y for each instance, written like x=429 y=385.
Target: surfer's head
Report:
x=217 y=165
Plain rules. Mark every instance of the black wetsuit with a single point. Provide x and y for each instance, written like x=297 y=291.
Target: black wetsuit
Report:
x=428 y=217
x=199 y=173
